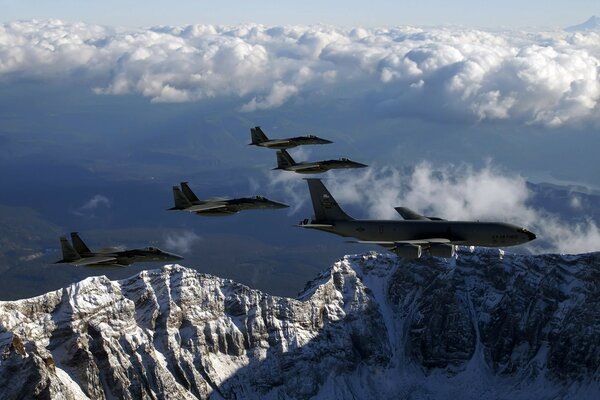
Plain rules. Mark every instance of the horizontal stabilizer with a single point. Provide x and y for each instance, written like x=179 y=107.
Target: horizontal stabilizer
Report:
x=410 y=215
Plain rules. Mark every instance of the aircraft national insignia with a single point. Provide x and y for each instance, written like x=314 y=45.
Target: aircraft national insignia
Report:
x=326 y=201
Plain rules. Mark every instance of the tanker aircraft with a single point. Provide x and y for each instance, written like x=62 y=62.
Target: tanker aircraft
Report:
x=415 y=234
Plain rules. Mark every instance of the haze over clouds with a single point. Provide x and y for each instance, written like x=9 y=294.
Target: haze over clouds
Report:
x=454 y=193
x=442 y=74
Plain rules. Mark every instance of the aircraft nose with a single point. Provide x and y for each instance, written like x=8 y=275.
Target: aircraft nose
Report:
x=279 y=205
x=529 y=234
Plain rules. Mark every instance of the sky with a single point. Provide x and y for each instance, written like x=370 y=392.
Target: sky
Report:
x=105 y=106
x=507 y=13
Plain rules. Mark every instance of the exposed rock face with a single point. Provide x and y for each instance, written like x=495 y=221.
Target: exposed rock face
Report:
x=372 y=326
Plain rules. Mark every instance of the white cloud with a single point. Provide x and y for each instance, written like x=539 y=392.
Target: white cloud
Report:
x=182 y=242
x=454 y=193
x=547 y=78
x=95 y=202
x=89 y=208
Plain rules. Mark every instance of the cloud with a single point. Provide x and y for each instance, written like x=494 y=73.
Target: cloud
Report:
x=182 y=242
x=95 y=202
x=455 y=193
x=88 y=209
x=447 y=74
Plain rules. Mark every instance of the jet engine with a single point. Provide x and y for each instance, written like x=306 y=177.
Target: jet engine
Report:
x=442 y=250
x=407 y=250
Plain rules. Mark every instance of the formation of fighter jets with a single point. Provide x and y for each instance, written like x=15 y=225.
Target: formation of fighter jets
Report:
x=409 y=238
x=286 y=162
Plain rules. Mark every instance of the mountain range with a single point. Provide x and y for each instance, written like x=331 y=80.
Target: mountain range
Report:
x=486 y=324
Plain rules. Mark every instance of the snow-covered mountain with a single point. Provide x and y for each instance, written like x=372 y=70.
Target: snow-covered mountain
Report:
x=371 y=326
x=592 y=24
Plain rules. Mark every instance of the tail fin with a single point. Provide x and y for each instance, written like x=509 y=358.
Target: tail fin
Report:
x=324 y=205
x=181 y=202
x=284 y=160
x=258 y=136
x=187 y=192
x=78 y=244
x=68 y=252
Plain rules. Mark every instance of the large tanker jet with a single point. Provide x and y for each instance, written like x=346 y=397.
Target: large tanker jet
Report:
x=413 y=236
x=287 y=163
x=260 y=139
x=79 y=254
x=186 y=200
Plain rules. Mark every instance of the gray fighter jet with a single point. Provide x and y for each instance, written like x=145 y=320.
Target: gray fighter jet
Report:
x=79 y=254
x=186 y=200
x=287 y=163
x=260 y=139
x=413 y=236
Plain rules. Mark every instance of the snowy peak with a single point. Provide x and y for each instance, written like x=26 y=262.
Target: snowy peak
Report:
x=370 y=326
x=592 y=24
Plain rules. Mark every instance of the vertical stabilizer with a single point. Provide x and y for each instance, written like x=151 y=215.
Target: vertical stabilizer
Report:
x=68 y=252
x=78 y=244
x=181 y=202
x=257 y=135
x=324 y=205
x=188 y=193
x=284 y=160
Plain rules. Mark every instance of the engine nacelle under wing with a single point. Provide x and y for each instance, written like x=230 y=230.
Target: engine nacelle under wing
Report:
x=442 y=250
x=407 y=250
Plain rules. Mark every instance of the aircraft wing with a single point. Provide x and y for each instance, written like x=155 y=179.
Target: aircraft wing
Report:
x=421 y=242
x=307 y=168
x=278 y=142
x=94 y=260
x=206 y=207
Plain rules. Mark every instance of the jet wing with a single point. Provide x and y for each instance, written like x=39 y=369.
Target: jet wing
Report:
x=421 y=242
x=411 y=215
x=278 y=142
x=94 y=260
x=307 y=168
x=206 y=207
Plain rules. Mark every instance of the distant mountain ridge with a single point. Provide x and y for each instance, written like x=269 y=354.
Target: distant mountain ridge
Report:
x=592 y=24
x=371 y=326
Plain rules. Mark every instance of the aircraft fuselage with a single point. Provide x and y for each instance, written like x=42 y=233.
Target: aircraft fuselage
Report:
x=466 y=233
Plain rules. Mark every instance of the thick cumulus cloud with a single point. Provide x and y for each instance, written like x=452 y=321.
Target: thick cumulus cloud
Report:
x=460 y=74
x=453 y=193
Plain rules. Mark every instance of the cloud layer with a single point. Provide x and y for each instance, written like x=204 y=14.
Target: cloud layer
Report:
x=448 y=74
x=454 y=193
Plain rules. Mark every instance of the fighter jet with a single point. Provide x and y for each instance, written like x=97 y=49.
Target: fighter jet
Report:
x=186 y=200
x=260 y=139
x=79 y=254
x=413 y=236
x=287 y=163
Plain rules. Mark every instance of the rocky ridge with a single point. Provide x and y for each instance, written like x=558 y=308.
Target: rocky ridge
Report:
x=371 y=326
